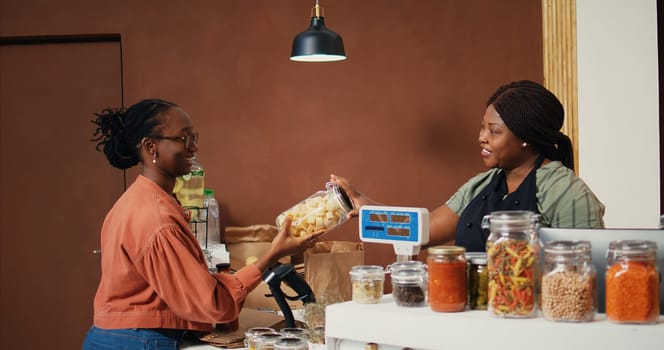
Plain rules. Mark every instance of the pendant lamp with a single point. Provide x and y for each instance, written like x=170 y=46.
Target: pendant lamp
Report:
x=318 y=44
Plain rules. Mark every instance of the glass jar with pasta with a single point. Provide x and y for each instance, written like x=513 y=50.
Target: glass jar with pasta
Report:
x=512 y=263
x=322 y=211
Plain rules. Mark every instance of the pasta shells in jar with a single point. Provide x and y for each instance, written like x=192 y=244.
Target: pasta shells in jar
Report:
x=323 y=210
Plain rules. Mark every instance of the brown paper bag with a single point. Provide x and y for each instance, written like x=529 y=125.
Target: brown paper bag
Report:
x=326 y=268
x=253 y=241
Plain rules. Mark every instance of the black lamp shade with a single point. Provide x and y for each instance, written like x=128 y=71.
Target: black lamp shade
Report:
x=318 y=44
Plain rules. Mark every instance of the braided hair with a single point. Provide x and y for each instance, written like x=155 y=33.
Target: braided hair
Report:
x=535 y=115
x=120 y=130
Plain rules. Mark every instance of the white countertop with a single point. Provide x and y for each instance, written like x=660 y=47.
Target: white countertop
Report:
x=420 y=328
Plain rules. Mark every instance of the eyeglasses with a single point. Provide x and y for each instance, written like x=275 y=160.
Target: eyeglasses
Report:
x=189 y=140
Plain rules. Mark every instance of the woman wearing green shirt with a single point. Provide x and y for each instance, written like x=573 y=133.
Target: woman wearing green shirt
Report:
x=531 y=168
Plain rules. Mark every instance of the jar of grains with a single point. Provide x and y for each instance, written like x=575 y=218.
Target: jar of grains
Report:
x=409 y=287
x=447 y=288
x=569 y=287
x=512 y=263
x=367 y=283
x=632 y=282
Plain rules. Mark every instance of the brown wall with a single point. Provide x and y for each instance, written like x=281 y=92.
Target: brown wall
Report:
x=399 y=117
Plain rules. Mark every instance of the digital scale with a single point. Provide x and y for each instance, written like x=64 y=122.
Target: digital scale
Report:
x=405 y=228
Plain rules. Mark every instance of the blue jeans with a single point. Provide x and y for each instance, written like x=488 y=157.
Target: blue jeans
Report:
x=132 y=339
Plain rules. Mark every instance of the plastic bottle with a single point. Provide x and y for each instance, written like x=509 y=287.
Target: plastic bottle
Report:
x=191 y=192
x=213 y=226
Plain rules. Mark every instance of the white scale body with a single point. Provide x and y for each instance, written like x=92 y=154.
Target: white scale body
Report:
x=406 y=228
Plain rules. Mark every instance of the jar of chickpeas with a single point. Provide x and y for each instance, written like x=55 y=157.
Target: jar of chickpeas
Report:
x=569 y=291
x=323 y=210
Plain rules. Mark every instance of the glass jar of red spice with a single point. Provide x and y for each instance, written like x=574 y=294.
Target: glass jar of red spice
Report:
x=447 y=278
x=632 y=282
x=513 y=258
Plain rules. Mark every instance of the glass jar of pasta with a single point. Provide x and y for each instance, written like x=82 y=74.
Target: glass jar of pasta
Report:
x=569 y=291
x=512 y=263
x=632 y=282
x=447 y=288
x=323 y=210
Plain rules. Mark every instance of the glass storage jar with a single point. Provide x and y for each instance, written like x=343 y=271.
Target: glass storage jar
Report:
x=294 y=332
x=569 y=287
x=478 y=279
x=400 y=265
x=323 y=210
x=632 y=282
x=513 y=260
x=447 y=289
x=409 y=287
x=266 y=341
x=252 y=334
x=367 y=283
x=291 y=343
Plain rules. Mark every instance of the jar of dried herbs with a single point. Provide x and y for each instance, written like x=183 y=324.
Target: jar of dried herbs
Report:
x=409 y=287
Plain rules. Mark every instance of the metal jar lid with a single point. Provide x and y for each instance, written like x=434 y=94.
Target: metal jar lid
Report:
x=446 y=250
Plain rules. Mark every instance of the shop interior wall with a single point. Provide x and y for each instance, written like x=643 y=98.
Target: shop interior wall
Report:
x=399 y=118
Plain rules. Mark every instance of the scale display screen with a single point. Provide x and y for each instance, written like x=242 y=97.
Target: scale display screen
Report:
x=383 y=224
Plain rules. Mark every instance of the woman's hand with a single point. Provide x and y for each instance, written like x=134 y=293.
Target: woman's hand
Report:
x=356 y=197
x=284 y=244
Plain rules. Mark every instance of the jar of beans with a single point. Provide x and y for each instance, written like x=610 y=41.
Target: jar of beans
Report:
x=447 y=286
x=513 y=260
x=569 y=287
x=632 y=282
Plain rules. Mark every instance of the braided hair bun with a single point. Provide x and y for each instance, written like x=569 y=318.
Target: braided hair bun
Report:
x=535 y=115
x=119 y=131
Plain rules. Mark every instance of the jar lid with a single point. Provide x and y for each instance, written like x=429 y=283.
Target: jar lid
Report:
x=413 y=275
x=269 y=338
x=568 y=248
x=632 y=248
x=447 y=250
x=289 y=342
x=340 y=195
x=259 y=330
x=471 y=255
x=478 y=260
x=400 y=265
x=506 y=220
x=372 y=271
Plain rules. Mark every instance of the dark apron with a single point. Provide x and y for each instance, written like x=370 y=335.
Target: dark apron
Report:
x=494 y=197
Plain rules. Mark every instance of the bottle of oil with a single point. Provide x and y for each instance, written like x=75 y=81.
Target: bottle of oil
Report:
x=190 y=194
